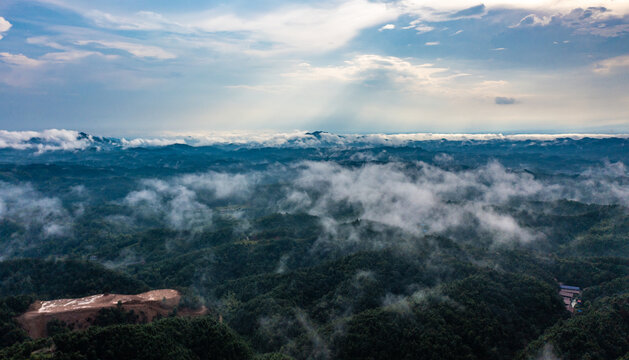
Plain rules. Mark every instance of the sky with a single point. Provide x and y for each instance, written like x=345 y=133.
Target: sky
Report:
x=120 y=67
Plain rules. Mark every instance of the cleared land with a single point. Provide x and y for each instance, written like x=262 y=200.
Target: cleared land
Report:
x=79 y=313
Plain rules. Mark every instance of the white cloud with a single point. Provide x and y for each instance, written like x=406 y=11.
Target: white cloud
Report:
x=39 y=214
x=67 y=53
x=19 y=60
x=141 y=142
x=5 y=25
x=326 y=25
x=432 y=43
x=364 y=67
x=177 y=205
x=444 y=11
x=301 y=28
x=419 y=26
x=71 y=56
x=138 y=50
x=182 y=202
x=594 y=20
x=612 y=64
x=426 y=200
x=46 y=140
x=533 y=20
x=447 y=10
x=141 y=20
x=302 y=139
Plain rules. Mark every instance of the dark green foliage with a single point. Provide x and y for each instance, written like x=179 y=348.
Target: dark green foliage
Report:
x=32 y=350
x=172 y=338
x=613 y=287
x=56 y=327
x=601 y=331
x=288 y=286
x=468 y=319
x=66 y=278
x=586 y=272
x=10 y=307
x=43 y=280
x=117 y=316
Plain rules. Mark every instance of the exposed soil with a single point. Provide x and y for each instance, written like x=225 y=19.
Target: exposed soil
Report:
x=79 y=313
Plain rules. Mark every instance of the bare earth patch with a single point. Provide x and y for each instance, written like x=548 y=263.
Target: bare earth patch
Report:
x=80 y=312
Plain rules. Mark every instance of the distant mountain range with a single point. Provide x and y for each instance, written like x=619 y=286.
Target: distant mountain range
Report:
x=71 y=140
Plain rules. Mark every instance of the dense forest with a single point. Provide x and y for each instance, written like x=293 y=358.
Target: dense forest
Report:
x=431 y=250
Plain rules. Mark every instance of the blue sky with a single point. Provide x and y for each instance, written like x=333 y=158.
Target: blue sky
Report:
x=179 y=67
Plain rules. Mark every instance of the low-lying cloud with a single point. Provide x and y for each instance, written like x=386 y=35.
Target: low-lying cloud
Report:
x=46 y=140
x=419 y=201
x=70 y=140
x=418 y=198
x=370 y=201
x=27 y=216
x=183 y=202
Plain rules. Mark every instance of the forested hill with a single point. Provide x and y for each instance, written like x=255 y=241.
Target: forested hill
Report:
x=323 y=249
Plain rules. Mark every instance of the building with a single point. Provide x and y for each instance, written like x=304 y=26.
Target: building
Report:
x=570 y=296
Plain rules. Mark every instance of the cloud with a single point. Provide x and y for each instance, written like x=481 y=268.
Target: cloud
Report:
x=474 y=11
x=419 y=26
x=426 y=199
x=46 y=140
x=300 y=27
x=371 y=67
x=612 y=64
x=19 y=60
x=328 y=25
x=431 y=12
x=36 y=216
x=591 y=20
x=288 y=28
x=25 y=71
x=387 y=27
x=67 y=53
x=71 y=56
x=138 y=50
x=175 y=205
x=429 y=200
x=139 y=21
x=142 y=142
x=445 y=11
x=501 y=100
x=5 y=25
x=595 y=20
x=432 y=43
x=70 y=140
x=533 y=20
x=302 y=139
x=183 y=202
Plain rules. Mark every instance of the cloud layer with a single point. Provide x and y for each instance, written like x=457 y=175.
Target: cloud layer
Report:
x=32 y=215
x=70 y=140
x=47 y=140
x=183 y=203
